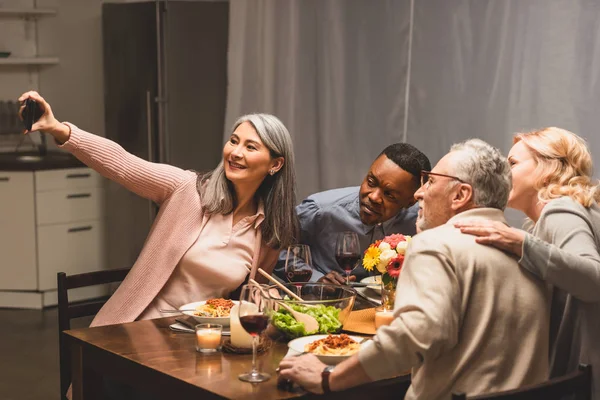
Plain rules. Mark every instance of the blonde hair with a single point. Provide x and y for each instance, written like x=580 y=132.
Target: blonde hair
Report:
x=564 y=165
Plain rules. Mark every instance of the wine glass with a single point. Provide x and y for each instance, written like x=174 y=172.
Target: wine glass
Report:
x=298 y=264
x=253 y=312
x=347 y=252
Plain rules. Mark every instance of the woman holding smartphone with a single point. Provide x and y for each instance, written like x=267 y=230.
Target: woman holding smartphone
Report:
x=212 y=229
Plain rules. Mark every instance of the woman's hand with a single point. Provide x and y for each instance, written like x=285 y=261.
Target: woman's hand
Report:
x=495 y=234
x=47 y=123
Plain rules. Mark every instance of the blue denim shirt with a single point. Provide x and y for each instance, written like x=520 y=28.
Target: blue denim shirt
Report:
x=323 y=215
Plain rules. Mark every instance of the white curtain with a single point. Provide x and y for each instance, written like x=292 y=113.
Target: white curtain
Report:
x=490 y=68
x=333 y=71
x=336 y=73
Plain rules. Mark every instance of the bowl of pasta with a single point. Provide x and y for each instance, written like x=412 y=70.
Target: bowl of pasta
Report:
x=211 y=311
x=330 y=349
x=329 y=304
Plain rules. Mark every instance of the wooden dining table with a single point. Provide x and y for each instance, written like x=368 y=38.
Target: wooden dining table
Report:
x=151 y=358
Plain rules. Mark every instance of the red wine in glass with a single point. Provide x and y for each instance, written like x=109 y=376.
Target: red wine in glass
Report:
x=299 y=275
x=347 y=261
x=347 y=252
x=253 y=312
x=298 y=264
x=254 y=324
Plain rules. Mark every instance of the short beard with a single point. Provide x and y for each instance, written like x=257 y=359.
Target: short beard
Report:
x=421 y=225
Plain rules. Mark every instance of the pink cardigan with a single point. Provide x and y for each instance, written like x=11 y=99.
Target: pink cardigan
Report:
x=173 y=232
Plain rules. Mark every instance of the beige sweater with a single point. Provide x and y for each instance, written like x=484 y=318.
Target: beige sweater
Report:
x=468 y=319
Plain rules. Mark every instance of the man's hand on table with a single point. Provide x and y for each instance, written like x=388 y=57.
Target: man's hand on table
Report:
x=336 y=278
x=304 y=370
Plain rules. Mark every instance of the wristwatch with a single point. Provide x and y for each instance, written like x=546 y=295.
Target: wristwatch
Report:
x=325 y=378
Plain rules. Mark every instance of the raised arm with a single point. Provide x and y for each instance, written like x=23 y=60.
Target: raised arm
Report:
x=150 y=180
x=566 y=254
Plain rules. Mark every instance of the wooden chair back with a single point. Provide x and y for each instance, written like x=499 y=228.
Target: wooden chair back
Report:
x=577 y=384
x=70 y=310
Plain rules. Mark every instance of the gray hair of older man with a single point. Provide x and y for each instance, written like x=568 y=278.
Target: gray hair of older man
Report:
x=486 y=170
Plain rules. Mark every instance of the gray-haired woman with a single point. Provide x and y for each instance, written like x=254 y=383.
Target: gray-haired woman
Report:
x=212 y=229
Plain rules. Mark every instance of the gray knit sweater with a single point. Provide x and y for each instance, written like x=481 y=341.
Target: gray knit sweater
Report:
x=563 y=249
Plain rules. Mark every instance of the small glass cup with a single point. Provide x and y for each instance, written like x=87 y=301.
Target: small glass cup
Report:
x=208 y=338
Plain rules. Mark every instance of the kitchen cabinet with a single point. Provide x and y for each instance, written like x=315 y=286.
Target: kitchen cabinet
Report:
x=28 y=15
x=50 y=221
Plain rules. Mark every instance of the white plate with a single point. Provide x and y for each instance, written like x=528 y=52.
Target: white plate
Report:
x=204 y=320
x=374 y=283
x=299 y=343
x=370 y=294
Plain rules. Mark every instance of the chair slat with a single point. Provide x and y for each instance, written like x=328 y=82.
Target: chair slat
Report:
x=84 y=310
x=96 y=278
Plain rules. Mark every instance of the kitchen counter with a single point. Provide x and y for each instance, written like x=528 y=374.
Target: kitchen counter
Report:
x=32 y=161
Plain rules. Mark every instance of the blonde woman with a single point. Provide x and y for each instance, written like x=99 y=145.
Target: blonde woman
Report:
x=552 y=184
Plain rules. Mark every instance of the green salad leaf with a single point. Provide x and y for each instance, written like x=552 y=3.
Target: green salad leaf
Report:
x=326 y=316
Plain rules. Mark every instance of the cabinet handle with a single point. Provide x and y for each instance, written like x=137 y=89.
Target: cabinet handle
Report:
x=80 y=229
x=78 y=195
x=75 y=176
x=4 y=179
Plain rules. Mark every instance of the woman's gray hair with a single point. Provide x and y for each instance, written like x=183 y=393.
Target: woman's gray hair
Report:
x=486 y=170
x=278 y=192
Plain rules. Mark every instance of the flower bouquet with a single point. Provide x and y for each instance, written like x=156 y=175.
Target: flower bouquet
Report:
x=387 y=256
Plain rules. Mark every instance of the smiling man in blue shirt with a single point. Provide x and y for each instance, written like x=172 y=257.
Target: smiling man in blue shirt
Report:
x=382 y=205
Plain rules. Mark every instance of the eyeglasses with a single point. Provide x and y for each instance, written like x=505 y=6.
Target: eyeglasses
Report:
x=425 y=177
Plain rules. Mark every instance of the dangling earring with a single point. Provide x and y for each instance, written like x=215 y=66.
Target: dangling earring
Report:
x=272 y=172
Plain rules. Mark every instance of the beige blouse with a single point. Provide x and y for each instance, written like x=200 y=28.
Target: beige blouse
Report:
x=216 y=264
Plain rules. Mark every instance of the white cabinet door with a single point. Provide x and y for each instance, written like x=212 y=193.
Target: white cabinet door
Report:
x=63 y=179
x=72 y=205
x=71 y=248
x=17 y=232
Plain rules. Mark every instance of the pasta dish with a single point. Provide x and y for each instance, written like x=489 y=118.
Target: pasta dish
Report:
x=333 y=345
x=214 y=308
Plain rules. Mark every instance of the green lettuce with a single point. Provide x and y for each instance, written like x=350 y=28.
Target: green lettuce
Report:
x=326 y=316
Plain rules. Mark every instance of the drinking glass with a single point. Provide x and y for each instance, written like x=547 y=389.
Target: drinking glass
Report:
x=298 y=264
x=347 y=252
x=253 y=313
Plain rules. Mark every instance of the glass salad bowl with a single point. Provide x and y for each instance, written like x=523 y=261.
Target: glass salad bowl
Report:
x=329 y=304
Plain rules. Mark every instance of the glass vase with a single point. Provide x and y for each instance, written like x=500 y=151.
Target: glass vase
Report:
x=388 y=294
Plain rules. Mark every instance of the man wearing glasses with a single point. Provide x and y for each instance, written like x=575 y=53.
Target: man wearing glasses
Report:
x=467 y=318
x=384 y=204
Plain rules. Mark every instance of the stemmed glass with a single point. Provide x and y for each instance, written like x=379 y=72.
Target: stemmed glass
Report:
x=298 y=264
x=254 y=313
x=347 y=252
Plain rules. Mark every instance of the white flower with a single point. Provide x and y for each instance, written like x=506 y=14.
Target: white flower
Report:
x=383 y=246
x=401 y=248
x=384 y=259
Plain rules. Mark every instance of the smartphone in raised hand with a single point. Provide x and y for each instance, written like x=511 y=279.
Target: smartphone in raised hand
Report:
x=31 y=113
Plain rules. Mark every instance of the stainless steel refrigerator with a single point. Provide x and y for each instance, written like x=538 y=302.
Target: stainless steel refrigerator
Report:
x=165 y=81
